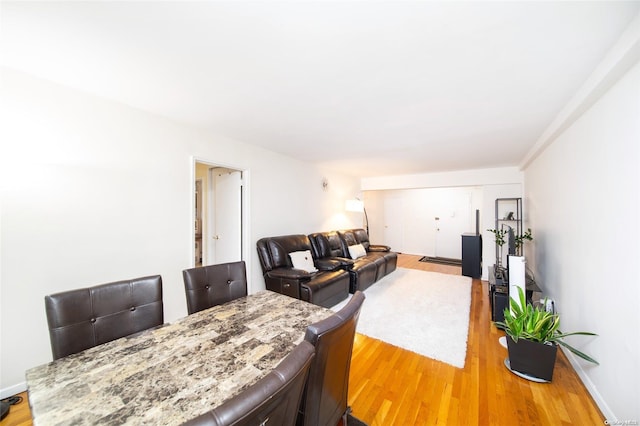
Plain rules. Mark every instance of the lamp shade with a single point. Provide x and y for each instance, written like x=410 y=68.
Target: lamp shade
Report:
x=354 y=206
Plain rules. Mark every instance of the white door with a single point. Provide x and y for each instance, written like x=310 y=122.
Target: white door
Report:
x=454 y=218
x=393 y=222
x=225 y=216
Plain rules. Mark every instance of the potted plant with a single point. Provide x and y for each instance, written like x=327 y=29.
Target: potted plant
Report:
x=499 y=237
x=533 y=336
x=520 y=239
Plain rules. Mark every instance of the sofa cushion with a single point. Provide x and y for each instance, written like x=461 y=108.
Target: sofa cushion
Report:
x=303 y=260
x=356 y=251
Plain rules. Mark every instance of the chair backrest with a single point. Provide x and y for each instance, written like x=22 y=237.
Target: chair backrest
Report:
x=327 y=244
x=83 y=318
x=211 y=285
x=362 y=237
x=274 y=251
x=273 y=400
x=325 y=398
x=347 y=239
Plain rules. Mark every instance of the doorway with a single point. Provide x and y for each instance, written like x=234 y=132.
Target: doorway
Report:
x=220 y=211
x=424 y=221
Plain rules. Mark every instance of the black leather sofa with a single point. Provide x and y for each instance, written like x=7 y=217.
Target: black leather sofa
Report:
x=337 y=272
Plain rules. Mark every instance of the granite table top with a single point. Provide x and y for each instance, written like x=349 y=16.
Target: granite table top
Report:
x=171 y=374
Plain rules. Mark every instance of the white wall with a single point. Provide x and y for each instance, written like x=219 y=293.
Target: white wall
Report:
x=485 y=185
x=583 y=204
x=94 y=191
x=405 y=219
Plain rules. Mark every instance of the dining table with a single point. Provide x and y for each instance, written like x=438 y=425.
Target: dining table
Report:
x=175 y=372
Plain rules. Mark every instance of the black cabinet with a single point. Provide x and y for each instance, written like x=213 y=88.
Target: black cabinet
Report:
x=499 y=298
x=499 y=293
x=472 y=255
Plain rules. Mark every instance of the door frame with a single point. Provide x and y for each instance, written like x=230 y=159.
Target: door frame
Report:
x=198 y=199
x=245 y=214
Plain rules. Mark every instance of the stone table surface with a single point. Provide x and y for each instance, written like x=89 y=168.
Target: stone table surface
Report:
x=168 y=375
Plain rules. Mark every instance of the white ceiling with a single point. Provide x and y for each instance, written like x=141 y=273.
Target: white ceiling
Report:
x=372 y=88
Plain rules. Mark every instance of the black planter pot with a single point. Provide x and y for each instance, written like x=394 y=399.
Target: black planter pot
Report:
x=532 y=358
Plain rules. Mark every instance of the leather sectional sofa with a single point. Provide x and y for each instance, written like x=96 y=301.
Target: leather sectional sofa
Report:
x=340 y=262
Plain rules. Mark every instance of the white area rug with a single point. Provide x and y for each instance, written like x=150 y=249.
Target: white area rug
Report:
x=424 y=312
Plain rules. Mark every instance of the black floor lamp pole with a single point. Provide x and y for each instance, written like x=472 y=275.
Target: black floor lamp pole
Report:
x=366 y=218
x=357 y=205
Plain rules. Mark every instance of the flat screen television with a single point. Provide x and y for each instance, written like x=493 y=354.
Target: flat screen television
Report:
x=511 y=245
x=511 y=242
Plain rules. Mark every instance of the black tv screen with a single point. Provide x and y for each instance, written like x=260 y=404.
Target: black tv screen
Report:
x=511 y=241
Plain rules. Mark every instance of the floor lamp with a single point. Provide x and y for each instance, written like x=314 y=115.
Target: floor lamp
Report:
x=357 y=205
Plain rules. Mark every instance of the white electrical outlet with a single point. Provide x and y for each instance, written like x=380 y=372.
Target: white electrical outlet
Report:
x=550 y=306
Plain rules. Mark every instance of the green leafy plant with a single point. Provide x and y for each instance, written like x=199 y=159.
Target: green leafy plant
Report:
x=525 y=321
x=520 y=239
x=499 y=235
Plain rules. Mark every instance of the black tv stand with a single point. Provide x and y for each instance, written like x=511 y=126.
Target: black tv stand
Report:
x=499 y=292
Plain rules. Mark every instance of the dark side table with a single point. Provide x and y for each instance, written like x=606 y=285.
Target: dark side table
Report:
x=499 y=293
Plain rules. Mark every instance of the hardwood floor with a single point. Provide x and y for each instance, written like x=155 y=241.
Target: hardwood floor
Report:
x=391 y=386
x=19 y=414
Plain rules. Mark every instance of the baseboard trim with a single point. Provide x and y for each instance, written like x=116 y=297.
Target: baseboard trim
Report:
x=12 y=390
x=591 y=388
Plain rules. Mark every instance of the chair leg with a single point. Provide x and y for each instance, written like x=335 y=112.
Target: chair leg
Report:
x=345 y=416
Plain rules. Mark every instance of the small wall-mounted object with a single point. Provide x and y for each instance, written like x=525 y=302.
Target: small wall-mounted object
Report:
x=325 y=184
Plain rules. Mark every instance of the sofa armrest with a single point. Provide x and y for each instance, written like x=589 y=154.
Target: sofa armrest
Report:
x=334 y=263
x=379 y=248
x=290 y=274
x=327 y=264
x=345 y=262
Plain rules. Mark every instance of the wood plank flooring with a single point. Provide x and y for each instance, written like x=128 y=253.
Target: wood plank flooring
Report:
x=391 y=386
x=19 y=414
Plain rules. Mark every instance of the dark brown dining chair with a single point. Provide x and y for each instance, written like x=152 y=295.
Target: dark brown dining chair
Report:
x=87 y=317
x=212 y=285
x=324 y=402
x=273 y=400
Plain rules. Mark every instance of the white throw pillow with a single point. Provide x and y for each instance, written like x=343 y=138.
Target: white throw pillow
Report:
x=357 y=251
x=302 y=260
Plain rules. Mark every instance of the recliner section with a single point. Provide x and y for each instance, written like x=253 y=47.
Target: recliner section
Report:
x=326 y=287
x=376 y=250
x=377 y=262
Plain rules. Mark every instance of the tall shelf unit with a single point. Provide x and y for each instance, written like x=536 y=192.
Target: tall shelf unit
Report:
x=508 y=215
